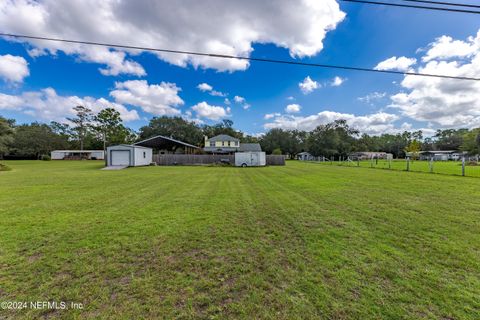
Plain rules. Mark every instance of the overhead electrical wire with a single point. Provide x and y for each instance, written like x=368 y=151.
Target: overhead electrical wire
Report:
x=411 y=6
x=222 y=56
x=443 y=3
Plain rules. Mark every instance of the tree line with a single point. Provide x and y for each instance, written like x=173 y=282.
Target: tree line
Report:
x=90 y=131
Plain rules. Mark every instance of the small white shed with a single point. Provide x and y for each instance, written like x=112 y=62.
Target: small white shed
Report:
x=129 y=155
x=250 y=159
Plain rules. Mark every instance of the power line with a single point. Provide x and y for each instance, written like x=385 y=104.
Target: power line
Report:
x=222 y=56
x=411 y=6
x=467 y=5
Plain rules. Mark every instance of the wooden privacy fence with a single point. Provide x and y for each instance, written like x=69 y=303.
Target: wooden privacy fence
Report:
x=199 y=159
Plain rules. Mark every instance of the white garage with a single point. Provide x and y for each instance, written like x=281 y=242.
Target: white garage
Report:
x=125 y=155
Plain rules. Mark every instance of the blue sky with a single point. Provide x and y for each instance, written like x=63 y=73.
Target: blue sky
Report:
x=367 y=36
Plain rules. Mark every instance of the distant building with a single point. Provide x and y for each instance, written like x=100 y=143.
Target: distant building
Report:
x=77 y=155
x=305 y=156
x=168 y=145
x=367 y=155
x=439 y=155
x=225 y=144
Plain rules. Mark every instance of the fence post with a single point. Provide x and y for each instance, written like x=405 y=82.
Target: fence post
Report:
x=463 y=166
x=358 y=162
x=431 y=164
x=389 y=163
x=408 y=163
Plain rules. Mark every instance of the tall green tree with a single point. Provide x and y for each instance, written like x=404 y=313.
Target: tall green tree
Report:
x=333 y=139
x=36 y=139
x=175 y=127
x=6 y=135
x=449 y=139
x=471 y=142
x=109 y=128
x=290 y=142
x=414 y=148
x=81 y=123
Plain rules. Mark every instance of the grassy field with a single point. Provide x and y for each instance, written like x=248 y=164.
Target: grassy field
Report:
x=439 y=167
x=304 y=241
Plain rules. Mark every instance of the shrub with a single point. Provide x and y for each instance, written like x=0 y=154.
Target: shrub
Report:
x=45 y=158
x=277 y=151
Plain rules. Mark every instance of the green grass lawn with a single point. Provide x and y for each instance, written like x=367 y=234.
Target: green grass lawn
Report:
x=304 y=241
x=440 y=167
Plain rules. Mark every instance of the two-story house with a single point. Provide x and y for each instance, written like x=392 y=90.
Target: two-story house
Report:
x=221 y=144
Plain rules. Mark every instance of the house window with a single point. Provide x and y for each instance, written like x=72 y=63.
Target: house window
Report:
x=223 y=143
x=144 y=154
x=212 y=143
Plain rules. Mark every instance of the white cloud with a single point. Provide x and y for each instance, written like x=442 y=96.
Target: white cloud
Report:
x=338 y=81
x=47 y=105
x=376 y=123
x=204 y=87
x=223 y=27
x=308 y=85
x=398 y=64
x=204 y=110
x=291 y=98
x=227 y=101
x=13 y=68
x=444 y=102
x=293 y=108
x=446 y=47
x=371 y=97
x=271 y=115
x=239 y=99
x=216 y=93
x=242 y=100
x=158 y=99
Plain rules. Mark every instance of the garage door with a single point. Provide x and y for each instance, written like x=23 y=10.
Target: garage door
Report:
x=120 y=158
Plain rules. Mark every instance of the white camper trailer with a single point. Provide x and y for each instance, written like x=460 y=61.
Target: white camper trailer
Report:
x=250 y=159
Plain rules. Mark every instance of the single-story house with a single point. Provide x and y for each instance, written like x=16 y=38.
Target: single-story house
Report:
x=77 y=155
x=166 y=145
x=225 y=144
x=305 y=156
x=439 y=155
x=129 y=155
x=367 y=155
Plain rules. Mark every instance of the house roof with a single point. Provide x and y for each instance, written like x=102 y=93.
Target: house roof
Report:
x=127 y=145
x=246 y=147
x=162 y=141
x=304 y=152
x=223 y=137
x=441 y=151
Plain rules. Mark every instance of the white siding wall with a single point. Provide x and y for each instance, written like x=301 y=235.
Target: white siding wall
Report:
x=99 y=155
x=55 y=155
x=143 y=156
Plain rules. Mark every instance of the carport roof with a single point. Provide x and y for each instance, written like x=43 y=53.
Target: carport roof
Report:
x=163 y=142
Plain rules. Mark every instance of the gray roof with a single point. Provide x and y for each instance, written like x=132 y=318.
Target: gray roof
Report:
x=223 y=137
x=159 y=140
x=246 y=147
